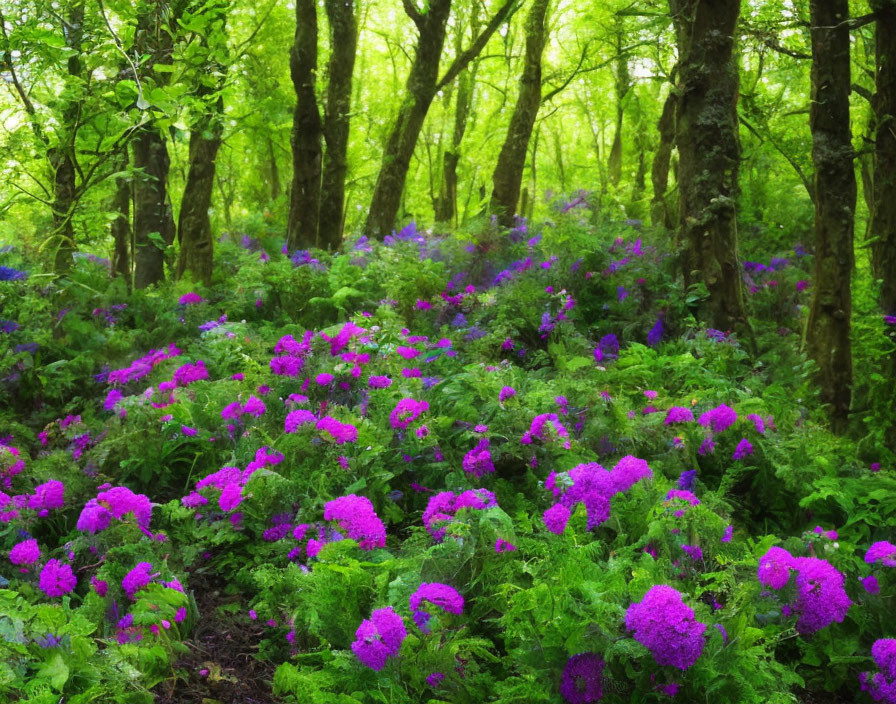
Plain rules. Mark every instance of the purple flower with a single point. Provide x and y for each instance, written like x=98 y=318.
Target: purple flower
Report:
x=882 y=552
x=656 y=333
x=719 y=418
x=744 y=448
x=478 y=461
x=444 y=596
x=687 y=479
x=757 y=421
x=136 y=579
x=379 y=637
x=49 y=495
x=502 y=545
x=406 y=412
x=821 y=599
x=296 y=419
x=190 y=299
x=56 y=579
x=774 y=568
x=340 y=432
x=678 y=414
x=435 y=679
x=556 y=518
x=582 y=681
x=355 y=515
x=505 y=393
x=323 y=379
x=693 y=551
x=871 y=584
x=25 y=553
x=666 y=626
x=729 y=531
x=379 y=382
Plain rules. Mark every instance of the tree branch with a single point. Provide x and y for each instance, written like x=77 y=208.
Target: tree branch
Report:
x=461 y=61
x=23 y=96
x=411 y=11
x=861 y=90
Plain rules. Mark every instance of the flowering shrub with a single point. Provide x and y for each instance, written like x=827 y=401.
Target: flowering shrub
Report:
x=443 y=478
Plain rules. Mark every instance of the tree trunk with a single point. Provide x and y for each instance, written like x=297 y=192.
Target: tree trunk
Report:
x=307 y=132
x=420 y=90
x=709 y=154
x=120 y=228
x=153 y=221
x=660 y=213
x=62 y=157
x=623 y=85
x=343 y=42
x=828 y=329
x=422 y=85
x=882 y=228
x=194 y=229
x=447 y=203
x=508 y=174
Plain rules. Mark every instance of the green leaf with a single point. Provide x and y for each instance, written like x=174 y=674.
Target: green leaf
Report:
x=56 y=671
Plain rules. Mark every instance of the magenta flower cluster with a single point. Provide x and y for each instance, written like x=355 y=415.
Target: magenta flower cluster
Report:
x=379 y=638
x=666 y=626
x=355 y=515
x=820 y=597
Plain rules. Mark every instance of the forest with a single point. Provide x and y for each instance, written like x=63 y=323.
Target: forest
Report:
x=447 y=351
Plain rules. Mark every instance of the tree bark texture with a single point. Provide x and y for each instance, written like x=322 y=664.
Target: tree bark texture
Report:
x=828 y=329
x=508 y=175
x=152 y=210
x=307 y=132
x=660 y=212
x=446 y=207
x=194 y=229
x=623 y=84
x=882 y=228
x=62 y=156
x=420 y=91
x=343 y=42
x=709 y=157
x=120 y=228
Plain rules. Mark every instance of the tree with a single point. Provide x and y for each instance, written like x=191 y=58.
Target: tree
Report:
x=828 y=328
x=307 y=132
x=882 y=228
x=508 y=175
x=343 y=47
x=422 y=85
x=709 y=157
x=194 y=229
x=660 y=212
x=154 y=228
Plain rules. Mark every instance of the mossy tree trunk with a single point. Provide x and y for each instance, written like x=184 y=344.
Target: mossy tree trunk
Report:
x=709 y=157
x=307 y=132
x=622 y=85
x=828 y=329
x=154 y=228
x=882 y=228
x=343 y=43
x=194 y=228
x=508 y=175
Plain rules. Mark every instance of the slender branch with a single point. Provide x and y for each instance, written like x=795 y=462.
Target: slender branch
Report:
x=807 y=184
x=861 y=90
x=238 y=51
x=23 y=95
x=32 y=195
x=575 y=72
